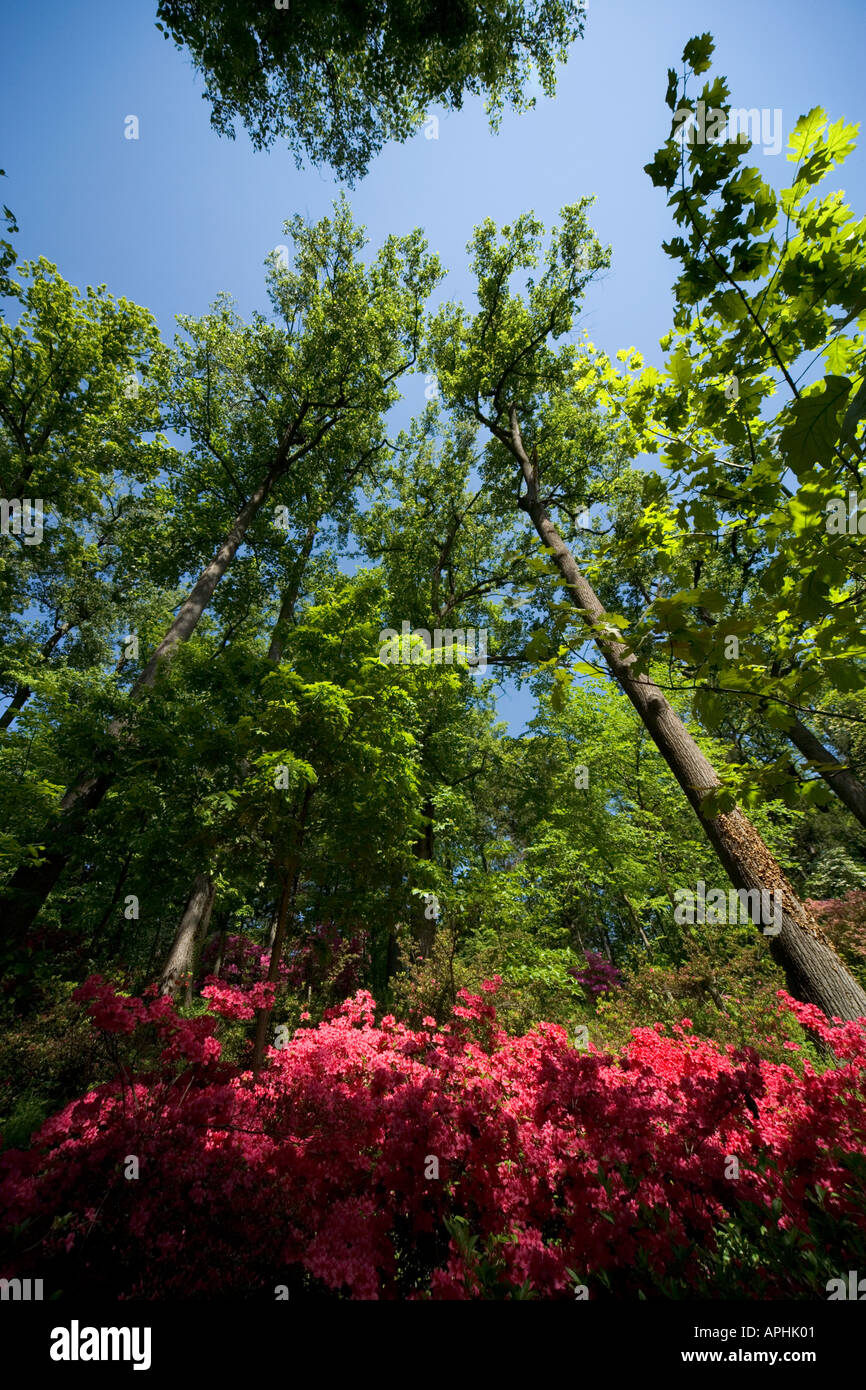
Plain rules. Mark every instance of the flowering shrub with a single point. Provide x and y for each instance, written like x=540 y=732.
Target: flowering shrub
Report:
x=844 y=921
x=599 y=975
x=376 y=1160
x=321 y=958
x=183 y=1039
x=231 y=1002
x=244 y=962
x=731 y=996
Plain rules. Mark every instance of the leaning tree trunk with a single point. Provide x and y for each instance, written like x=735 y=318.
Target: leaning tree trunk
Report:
x=849 y=789
x=191 y=931
x=812 y=969
x=28 y=888
x=23 y=692
x=839 y=778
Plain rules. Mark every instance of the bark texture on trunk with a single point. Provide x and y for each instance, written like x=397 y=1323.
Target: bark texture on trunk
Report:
x=284 y=915
x=190 y=933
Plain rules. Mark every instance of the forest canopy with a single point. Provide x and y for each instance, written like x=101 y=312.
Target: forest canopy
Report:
x=419 y=1004
x=339 y=80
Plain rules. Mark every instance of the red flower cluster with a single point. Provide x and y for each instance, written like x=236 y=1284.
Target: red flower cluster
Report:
x=185 y=1039
x=231 y=1002
x=355 y=1159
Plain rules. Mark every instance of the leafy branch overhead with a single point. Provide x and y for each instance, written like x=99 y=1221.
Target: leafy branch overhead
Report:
x=339 y=80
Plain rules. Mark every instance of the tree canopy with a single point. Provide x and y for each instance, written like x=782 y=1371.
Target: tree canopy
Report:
x=426 y=1004
x=339 y=80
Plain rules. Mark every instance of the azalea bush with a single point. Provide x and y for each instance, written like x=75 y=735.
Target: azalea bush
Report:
x=844 y=921
x=728 y=988
x=599 y=976
x=320 y=958
x=376 y=1160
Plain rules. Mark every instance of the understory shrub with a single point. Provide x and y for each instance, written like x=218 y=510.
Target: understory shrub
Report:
x=375 y=1160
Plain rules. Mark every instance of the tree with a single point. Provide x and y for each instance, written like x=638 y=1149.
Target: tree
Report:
x=763 y=453
x=338 y=80
x=498 y=369
x=257 y=402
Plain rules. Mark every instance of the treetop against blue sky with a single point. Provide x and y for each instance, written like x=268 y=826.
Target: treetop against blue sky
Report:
x=175 y=216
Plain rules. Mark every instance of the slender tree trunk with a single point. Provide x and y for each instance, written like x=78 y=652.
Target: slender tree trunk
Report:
x=23 y=692
x=191 y=609
x=635 y=920
x=425 y=927
x=190 y=933
x=275 y=651
x=392 y=956
x=113 y=901
x=28 y=888
x=221 y=948
x=290 y=597
x=263 y=1016
x=286 y=910
x=847 y=787
x=812 y=969
x=840 y=779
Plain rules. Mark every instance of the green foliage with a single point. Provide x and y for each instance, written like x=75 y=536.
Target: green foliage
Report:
x=338 y=80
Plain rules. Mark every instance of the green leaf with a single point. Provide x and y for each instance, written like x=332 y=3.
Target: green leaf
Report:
x=812 y=431
x=698 y=52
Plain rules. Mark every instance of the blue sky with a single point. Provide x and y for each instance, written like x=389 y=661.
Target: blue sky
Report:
x=175 y=217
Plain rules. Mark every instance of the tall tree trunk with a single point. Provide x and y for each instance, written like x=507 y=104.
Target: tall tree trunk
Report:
x=28 y=888
x=424 y=926
x=290 y=597
x=275 y=651
x=849 y=789
x=636 y=921
x=286 y=910
x=190 y=933
x=221 y=947
x=812 y=969
x=23 y=692
x=392 y=956
x=190 y=611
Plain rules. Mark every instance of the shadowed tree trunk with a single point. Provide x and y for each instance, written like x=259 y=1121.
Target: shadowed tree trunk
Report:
x=424 y=926
x=849 y=789
x=113 y=901
x=285 y=913
x=190 y=933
